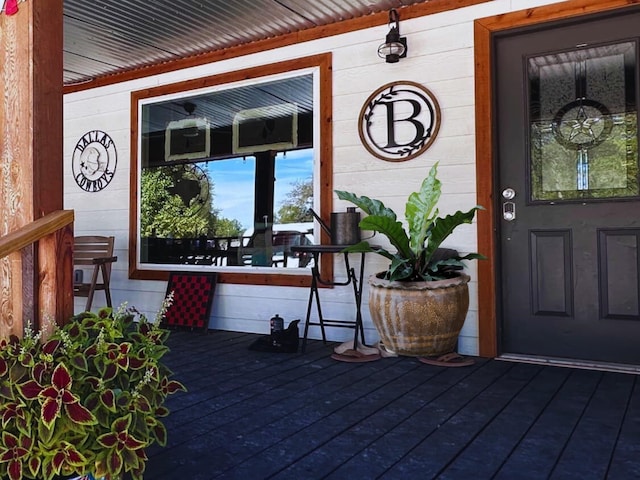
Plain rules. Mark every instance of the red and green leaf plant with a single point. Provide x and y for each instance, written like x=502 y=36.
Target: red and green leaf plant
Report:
x=89 y=399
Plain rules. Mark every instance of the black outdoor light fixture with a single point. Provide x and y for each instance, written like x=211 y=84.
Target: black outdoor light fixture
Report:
x=394 y=47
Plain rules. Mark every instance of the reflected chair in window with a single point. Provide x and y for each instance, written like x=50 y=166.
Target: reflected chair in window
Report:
x=94 y=253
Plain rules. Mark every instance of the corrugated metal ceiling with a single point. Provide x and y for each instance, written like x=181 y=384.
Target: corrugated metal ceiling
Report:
x=103 y=37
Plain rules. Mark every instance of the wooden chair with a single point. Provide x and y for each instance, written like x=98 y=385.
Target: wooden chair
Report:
x=97 y=252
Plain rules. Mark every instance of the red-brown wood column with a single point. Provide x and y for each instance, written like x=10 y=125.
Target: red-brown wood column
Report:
x=31 y=160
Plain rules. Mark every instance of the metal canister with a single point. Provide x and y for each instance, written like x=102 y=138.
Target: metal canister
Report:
x=277 y=324
x=345 y=228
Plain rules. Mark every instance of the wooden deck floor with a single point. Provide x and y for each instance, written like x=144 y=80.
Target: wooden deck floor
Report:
x=254 y=415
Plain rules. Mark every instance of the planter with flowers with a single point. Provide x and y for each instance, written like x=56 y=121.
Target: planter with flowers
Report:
x=86 y=401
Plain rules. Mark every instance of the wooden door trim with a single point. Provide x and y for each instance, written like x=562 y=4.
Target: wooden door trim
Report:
x=484 y=31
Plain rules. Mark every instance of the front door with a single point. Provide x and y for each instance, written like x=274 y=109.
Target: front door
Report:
x=567 y=193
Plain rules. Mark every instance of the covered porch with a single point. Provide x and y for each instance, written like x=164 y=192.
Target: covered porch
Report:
x=38 y=280
x=259 y=415
x=264 y=415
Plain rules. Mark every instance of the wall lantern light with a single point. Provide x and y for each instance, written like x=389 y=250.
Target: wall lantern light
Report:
x=394 y=47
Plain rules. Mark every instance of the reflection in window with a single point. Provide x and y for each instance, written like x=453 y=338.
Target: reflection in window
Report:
x=583 y=124
x=227 y=176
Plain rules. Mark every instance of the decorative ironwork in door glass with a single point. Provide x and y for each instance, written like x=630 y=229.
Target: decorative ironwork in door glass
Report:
x=583 y=124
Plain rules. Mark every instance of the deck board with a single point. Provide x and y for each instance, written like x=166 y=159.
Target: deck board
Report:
x=538 y=452
x=443 y=446
x=625 y=462
x=255 y=415
x=485 y=455
x=588 y=451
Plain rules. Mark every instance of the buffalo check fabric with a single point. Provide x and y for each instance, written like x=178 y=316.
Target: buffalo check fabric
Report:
x=192 y=299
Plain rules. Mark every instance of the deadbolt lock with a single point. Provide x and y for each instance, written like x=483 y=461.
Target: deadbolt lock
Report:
x=508 y=193
x=509 y=208
x=509 y=211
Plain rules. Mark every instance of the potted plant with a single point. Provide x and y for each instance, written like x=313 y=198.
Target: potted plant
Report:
x=86 y=401
x=420 y=302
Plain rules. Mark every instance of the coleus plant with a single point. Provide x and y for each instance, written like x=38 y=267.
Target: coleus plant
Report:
x=89 y=399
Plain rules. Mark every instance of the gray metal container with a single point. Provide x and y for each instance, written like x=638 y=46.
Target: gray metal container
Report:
x=344 y=227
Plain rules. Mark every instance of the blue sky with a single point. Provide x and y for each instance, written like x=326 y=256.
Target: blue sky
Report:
x=234 y=182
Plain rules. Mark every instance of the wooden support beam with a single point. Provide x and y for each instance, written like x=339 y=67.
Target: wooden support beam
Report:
x=55 y=278
x=30 y=155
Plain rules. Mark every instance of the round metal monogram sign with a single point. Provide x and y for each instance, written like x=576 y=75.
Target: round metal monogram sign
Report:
x=399 y=121
x=94 y=161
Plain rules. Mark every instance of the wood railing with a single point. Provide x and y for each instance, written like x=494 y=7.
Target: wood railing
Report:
x=36 y=266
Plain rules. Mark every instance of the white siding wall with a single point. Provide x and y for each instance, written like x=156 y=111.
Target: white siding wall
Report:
x=440 y=57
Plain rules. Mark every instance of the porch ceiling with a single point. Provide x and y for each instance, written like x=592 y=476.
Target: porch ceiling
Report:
x=103 y=37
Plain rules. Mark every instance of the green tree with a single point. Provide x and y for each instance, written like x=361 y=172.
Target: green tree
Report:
x=225 y=227
x=172 y=203
x=295 y=208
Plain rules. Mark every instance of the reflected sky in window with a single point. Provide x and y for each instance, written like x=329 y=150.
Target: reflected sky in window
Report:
x=233 y=182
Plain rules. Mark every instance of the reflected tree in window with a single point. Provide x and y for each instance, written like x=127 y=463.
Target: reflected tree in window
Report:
x=176 y=202
x=295 y=207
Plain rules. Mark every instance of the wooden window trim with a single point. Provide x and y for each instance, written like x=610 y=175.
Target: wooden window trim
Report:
x=484 y=31
x=323 y=63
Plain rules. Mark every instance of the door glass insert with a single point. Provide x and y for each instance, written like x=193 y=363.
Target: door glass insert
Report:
x=583 y=124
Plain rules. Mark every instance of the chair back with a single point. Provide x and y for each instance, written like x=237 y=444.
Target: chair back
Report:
x=95 y=252
x=86 y=248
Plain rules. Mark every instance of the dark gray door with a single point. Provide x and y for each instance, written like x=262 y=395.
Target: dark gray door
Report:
x=567 y=192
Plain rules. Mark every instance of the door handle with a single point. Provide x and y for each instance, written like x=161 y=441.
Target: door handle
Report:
x=509 y=208
x=509 y=211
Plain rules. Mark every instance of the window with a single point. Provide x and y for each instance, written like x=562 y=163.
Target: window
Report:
x=583 y=125
x=227 y=168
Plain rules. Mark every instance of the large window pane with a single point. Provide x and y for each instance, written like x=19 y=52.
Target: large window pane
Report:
x=227 y=175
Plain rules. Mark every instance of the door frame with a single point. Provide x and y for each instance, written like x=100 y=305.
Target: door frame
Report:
x=486 y=162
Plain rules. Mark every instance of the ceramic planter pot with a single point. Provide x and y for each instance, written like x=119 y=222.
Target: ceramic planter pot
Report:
x=419 y=319
x=75 y=477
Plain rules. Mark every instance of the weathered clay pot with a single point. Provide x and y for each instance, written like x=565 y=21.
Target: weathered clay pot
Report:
x=419 y=318
x=75 y=477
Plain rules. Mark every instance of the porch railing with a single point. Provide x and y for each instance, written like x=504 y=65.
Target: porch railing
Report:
x=36 y=262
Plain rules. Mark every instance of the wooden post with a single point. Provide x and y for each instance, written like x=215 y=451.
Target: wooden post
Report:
x=31 y=160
